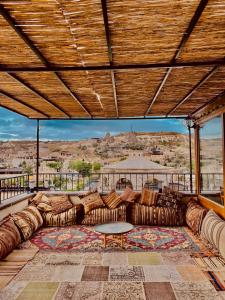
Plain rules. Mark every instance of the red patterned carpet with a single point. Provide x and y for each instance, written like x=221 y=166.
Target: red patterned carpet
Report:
x=80 y=238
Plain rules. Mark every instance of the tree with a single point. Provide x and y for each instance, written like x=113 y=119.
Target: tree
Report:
x=96 y=166
x=84 y=168
x=57 y=165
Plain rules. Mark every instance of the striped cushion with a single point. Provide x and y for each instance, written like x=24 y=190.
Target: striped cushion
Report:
x=92 y=201
x=194 y=216
x=66 y=218
x=37 y=198
x=112 y=200
x=213 y=230
x=148 y=197
x=105 y=215
x=28 y=221
x=60 y=203
x=9 y=237
x=150 y=215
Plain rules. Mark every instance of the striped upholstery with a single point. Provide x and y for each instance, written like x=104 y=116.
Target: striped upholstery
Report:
x=112 y=200
x=92 y=201
x=148 y=197
x=104 y=215
x=195 y=214
x=70 y=217
x=151 y=215
x=213 y=230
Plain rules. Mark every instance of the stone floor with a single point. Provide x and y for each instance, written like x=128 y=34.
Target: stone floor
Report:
x=111 y=276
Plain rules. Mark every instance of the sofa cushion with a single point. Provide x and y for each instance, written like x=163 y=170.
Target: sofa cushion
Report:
x=28 y=221
x=60 y=203
x=92 y=201
x=105 y=215
x=148 y=197
x=112 y=200
x=37 y=198
x=75 y=200
x=70 y=217
x=195 y=214
x=151 y=215
x=9 y=236
x=213 y=230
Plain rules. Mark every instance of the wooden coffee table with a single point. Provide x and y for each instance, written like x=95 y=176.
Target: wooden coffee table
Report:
x=114 y=229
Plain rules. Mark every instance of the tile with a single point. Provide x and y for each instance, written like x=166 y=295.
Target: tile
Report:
x=93 y=258
x=126 y=273
x=38 y=291
x=113 y=258
x=161 y=273
x=56 y=259
x=177 y=258
x=31 y=273
x=67 y=273
x=95 y=273
x=158 y=291
x=149 y=258
x=12 y=290
x=123 y=291
x=191 y=273
x=80 y=291
x=194 y=291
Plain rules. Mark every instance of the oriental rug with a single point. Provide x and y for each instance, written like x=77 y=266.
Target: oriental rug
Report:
x=80 y=238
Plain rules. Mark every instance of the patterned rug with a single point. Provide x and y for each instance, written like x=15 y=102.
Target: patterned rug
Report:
x=142 y=238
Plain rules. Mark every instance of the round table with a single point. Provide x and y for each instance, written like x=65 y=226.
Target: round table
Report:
x=115 y=229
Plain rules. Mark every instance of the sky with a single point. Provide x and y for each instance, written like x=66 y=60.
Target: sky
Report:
x=17 y=127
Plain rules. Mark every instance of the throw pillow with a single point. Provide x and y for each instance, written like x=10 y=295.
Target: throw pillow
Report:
x=44 y=205
x=92 y=201
x=37 y=198
x=60 y=204
x=9 y=237
x=126 y=193
x=194 y=216
x=75 y=200
x=112 y=200
x=213 y=230
x=148 y=197
x=28 y=221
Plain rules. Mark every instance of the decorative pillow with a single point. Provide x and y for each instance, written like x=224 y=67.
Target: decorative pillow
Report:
x=28 y=221
x=126 y=193
x=112 y=200
x=92 y=201
x=37 y=198
x=213 y=230
x=44 y=207
x=168 y=200
x=9 y=237
x=148 y=197
x=75 y=200
x=195 y=214
x=60 y=204
x=72 y=216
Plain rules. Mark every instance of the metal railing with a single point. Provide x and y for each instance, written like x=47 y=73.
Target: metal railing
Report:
x=13 y=186
x=211 y=182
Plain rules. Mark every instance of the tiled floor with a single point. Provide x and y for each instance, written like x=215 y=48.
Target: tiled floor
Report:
x=112 y=276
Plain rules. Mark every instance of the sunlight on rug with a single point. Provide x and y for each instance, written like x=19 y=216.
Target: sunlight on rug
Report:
x=141 y=238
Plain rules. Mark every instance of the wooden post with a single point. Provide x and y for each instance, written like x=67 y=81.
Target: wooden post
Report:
x=197 y=160
x=37 y=157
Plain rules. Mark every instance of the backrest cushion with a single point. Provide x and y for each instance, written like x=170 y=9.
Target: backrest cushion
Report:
x=195 y=215
x=112 y=200
x=60 y=203
x=9 y=237
x=148 y=197
x=92 y=201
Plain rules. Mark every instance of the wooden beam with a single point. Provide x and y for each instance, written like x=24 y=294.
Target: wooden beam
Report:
x=36 y=93
x=110 y=55
x=190 y=93
x=13 y=110
x=7 y=95
x=115 y=118
x=186 y=35
x=6 y=15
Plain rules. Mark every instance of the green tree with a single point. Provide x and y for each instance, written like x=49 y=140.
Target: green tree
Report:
x=96 y=166
x=57 y=165
x=84 y=168
x=28 y=169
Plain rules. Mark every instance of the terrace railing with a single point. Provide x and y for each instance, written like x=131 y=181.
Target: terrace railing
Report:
x=211 y=182
x=13 y=186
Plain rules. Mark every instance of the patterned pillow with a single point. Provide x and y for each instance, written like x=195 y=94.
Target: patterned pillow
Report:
x=148 y=197
x=60 y=204
x=44 y=204
x=92 y=201
x=194 y=216
x=9 y=237
x=37 y=198
x=126 y=193
x=75 y=200
x=112 y=200
x=28 y=221
x=72 y=216
x=168 y=200
x=213 y=230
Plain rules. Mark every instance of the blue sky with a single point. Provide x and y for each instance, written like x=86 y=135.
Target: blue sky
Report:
x=16 y=127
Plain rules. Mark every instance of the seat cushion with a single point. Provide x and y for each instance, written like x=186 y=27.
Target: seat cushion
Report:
x=92 y=201
x=194 y=216
x=213 y=230
x=60 y=203
x=148 y=197
x=70 y=217
x=28 y=221
x=151 y=215
x=9 y=237
x=105 y=215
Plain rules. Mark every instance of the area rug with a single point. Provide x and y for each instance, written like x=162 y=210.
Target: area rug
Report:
x=142 y=238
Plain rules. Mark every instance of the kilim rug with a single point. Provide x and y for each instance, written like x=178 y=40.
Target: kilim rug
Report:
x=142 y=238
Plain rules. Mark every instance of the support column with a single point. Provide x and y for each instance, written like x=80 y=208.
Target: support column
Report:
x=37 y=157
x=190 y=158
x=197 y=160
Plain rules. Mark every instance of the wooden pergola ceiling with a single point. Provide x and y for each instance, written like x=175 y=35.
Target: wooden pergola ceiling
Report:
x=111 y=58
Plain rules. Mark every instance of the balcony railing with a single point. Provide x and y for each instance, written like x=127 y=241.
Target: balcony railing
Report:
x=13 y=186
